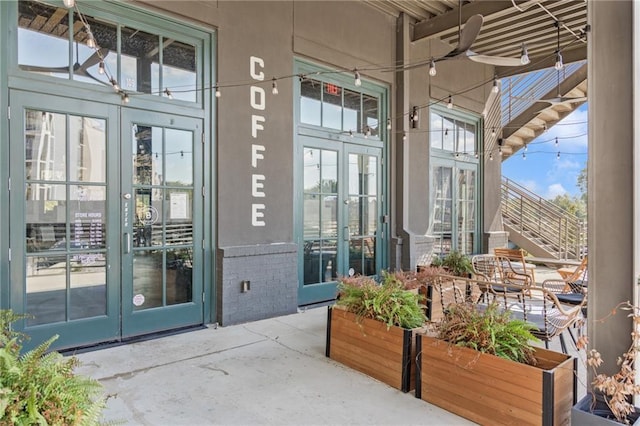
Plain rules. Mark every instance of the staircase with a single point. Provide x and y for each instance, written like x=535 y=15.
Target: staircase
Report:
x=539 y=226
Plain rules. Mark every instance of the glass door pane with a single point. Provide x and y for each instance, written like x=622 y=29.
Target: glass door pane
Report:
x=466 y=211
x=442 y=205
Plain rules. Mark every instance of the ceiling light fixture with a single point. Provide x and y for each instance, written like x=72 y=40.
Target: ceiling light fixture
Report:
x=450 y=102
x=69 y=3
x=496 y=87
x=274 y=87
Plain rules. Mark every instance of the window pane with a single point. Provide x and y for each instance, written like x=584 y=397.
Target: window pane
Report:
x=88 y=296
x=45 y=146
x=179 y=272
x=448 y=135
x=46 y=291
x=179 y=228
x=148 y=155
x=43 y=48
x=435 y=131
x=45 y=213
x=311 y=170
x=147 y=226
x=470 y=138
x=141 y=49
x=179 y=69
x=371 y=114
x=87 y=149
x=352 y=111
x=329 y=216
x=179 y=161
x=331 y=108
x=311 y=216
x=460 y=143
x=147 y=279
x=86 y=59
x=329 y=172
x=311 y=261
x=310 y=102
x=87 y=211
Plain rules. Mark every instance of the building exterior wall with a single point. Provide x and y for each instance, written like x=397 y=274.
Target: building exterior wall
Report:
x=253 y=133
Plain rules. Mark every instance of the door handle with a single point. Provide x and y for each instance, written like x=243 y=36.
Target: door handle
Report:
x=347 y=235
x=127 y=243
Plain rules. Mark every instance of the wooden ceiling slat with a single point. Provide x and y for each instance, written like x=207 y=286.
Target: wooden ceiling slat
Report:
x=38 y=22
x=54 y=20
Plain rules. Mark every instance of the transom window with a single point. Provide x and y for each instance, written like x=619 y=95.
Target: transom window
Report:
x=452 y=135
x=335 y=107
x=54 y=41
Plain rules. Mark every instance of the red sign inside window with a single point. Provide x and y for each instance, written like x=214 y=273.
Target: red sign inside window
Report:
x=332 y=89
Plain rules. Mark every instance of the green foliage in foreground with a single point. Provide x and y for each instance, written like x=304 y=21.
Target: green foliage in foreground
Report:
x=490 y=330
x=388 y=302
x=40 y=387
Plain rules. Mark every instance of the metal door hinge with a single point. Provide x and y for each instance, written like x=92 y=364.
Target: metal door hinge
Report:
x=203 y=192
x=202 y=138
x=9 y=254
x=9 y=182
x=202 y=244
x=9 y=112
x=202 y=297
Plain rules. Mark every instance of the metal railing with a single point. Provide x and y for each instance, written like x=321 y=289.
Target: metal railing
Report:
x=542 y=222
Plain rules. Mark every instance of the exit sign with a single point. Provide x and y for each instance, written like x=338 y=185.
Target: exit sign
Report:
x=332 y=89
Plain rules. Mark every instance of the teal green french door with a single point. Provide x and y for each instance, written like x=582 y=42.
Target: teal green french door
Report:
x=161 y=204
x=341 y=211
x=78 y=171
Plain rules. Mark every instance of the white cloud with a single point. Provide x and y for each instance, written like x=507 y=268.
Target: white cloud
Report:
x=554 y=190
x=571 y=132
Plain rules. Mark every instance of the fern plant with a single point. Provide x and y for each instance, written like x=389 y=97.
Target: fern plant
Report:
x=388 y=302
x=490 y=331
x=40 y=387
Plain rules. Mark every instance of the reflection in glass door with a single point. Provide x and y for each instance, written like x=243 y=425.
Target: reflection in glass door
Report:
x=160 y=286
x=340 y=217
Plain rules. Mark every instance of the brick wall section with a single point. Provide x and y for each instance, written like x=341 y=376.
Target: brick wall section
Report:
x=495 y=239
x=273 y=273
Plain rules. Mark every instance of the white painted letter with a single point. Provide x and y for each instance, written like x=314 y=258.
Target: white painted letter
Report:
x=253 y=61
x=257 y=185
x=255 y=156
x=255 y=214
x=257 y=103
x=255 y=126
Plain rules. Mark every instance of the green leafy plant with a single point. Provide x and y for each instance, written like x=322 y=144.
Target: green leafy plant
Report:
x=40 y=387
x=490 y=330
x=456 y=263
x=388 y=302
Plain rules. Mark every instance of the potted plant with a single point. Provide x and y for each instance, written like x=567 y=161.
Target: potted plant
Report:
x=480 y=364
x=609 y=400
x=455 y=263
x=372 y=326
x=40 y=387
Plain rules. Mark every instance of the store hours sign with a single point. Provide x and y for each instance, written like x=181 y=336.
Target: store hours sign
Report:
x=258 y=151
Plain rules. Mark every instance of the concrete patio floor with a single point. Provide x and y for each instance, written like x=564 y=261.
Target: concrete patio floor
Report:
x=270 y=372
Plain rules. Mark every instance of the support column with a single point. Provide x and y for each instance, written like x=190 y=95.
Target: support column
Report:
x=610 y=175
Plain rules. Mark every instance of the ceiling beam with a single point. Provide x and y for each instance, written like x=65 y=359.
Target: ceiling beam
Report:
x=434 y=26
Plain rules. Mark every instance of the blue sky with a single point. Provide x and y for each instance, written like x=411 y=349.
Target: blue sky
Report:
x=542 y=172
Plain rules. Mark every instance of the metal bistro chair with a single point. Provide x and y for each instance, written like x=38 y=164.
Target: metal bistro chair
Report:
x=550 y=316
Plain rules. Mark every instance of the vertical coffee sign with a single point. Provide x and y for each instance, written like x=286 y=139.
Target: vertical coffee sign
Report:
x=258 y=106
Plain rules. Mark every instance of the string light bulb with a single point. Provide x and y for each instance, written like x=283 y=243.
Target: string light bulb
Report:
x=168 y=93
x=558 y=156
x=476 y=155
x=274 y=86
x=491 y=156
x=526 y=147
x=432 y=68
x=69 y=3
x=496 y=87
x=218 y=94
x=388 y=124
x=115 y=85
x=367 y=132
x=351 y=133
x=559 y=64
x=356 y=76
x=101 y=68
x=404 y=136
x=125 y=97
x=493 y=132
x=524 y=156
x=450 y=102
x=524 y=55
x=556 y=142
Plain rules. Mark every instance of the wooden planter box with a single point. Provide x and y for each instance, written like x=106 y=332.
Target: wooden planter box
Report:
x=491 y=390
x=368 y=346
